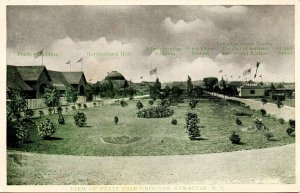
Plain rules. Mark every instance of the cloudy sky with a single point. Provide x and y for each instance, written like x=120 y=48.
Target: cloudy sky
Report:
x=227 y=38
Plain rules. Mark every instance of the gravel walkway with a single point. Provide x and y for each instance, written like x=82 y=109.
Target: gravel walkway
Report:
x=271 y=165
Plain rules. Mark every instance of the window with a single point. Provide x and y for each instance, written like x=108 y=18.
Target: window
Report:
x=252 y=91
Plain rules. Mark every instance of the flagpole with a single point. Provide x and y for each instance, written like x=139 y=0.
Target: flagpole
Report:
x=43 y=57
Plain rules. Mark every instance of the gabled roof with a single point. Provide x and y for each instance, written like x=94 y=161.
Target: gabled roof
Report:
x=58 y=80
x=14 y=80
x=31 y=73
x=73 y=77
x=252 y=85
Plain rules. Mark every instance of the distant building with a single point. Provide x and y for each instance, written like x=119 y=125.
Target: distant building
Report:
x=251 y=89
x=77 y=80
x=281 y=92
x=15 y=82
x=37 y=77
x=59 y=81
x=117 y=79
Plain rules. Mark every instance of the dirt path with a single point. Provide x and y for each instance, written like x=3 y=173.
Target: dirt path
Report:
x=284 y=112
x=271 y=165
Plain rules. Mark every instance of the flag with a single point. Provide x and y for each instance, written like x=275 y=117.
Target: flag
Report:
x=257 y=65
x=246 y=72
x=38 y=54
x=69 y=62
x=80 y=60
x=220 y=71
x=153 y=71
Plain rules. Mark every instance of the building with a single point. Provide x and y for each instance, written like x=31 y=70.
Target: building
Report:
x=59 y=81
x=251 y=89
x=15 y=82
x=37 y=77
x=77 y=80
x=117 y=79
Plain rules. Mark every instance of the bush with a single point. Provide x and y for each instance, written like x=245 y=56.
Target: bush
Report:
x=29 y=113
x=131 y=98
x=192 y=127
x=174 y=122
x=73 y=108
x=95 y=104
x=269 y=135
x=155 y=112
x=17 y=133
x=123 y=103
x=238 y=121
x=235 y=138
x=41 y=113
x=151 y=102
x=263 y=112
x=79 y=105
x=50 y=110
x=281 y=121
x=61 y=119
x=291 y=130
x=80 y=119
x=164 y=103
x=59 y=109
x=193 y=103
x=139 y=105
x=116 y=119
x=45 y=128
x=84 y=106
x=243 y=114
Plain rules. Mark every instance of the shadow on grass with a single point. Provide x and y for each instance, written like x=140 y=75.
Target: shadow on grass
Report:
x=273 y=140
x=53 y=138
x=88 y=126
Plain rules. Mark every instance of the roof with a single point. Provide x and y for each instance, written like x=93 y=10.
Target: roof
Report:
x=73 y=77
x=236 y=83
x=252 y=85
x=31 y=73
x=14 y=80
x=181 y=85
x=114 y=75
x=58 y=80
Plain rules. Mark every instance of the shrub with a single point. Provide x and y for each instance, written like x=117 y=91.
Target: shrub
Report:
x=123 y=103
x=258 y=126
x=80 y=119
x=279 y=104
x=164 y=103
x=263 y=112
x=73 y=108
x=235 y=138
x=269 y=135
x=291 y=130
x=41 y=113
x=45 y=128
x=50 y=110
x=264 y=101
x=155 y=112
x=17 y=133
x=131 y=98
x=59 y=109
x=193 y=103
x=139 y=105
x=174 y=122
x=243 y=114
x=116 y=119
x=238 y=121
x=95 y=104
x=192 y=127
x=151 y=102
x=29 y=113
x=84 y=106
x=79 y=105
x=281 y=121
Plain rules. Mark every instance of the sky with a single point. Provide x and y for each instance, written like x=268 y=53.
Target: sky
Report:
x=198 y=41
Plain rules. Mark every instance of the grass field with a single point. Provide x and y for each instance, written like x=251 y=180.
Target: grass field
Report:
x=140 y=136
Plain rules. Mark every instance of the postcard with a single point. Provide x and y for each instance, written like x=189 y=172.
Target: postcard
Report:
x=142 y=96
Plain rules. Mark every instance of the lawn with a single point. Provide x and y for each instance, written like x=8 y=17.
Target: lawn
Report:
x=140 y=136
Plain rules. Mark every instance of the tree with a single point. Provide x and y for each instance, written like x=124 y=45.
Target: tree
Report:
x=155 y=90
x=51 y=96
x=279 y=103
x=70 y=95
x=189 y=87
x=210 y=82
x=192 y=127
